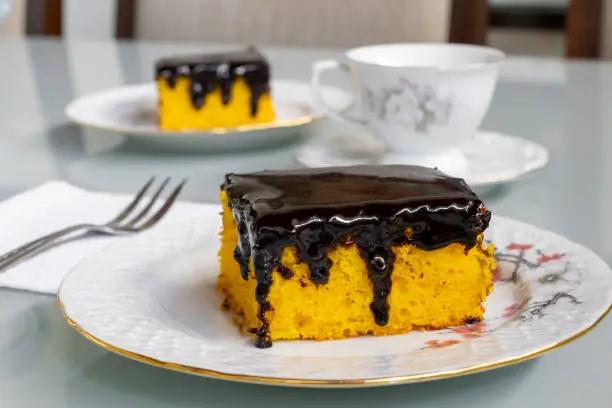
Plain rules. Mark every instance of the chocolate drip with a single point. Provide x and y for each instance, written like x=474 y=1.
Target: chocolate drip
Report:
x=313 y=245
x=375 y=208
x=209 y=72
x=265 y=259
x=264 y=281
x=257 y=90
x=263 y=332
x=374 y=242
x=242 y=252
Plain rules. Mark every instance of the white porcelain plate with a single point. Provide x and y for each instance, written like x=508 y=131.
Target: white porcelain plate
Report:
x=153 y=299
x=493 y=157
x=133 y=111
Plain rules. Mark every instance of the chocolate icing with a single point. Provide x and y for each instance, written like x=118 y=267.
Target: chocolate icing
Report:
x=207 y=72
x=373 y=207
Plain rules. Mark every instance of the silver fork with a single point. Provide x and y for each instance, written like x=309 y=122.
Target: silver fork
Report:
x=120 y=225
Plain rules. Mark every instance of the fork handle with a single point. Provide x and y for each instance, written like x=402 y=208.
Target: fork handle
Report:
x=31 y=247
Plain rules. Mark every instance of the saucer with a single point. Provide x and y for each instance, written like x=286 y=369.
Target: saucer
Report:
x=492 y=157
x=133 y=111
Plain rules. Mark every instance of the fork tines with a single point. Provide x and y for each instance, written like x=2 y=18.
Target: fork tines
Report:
x=127 y=221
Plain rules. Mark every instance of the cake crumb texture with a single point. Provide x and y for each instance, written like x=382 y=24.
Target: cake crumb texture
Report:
x=176 y=110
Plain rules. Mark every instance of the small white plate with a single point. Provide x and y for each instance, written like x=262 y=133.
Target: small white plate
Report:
x=493 y=157
x=153 y=299
x=133 y=111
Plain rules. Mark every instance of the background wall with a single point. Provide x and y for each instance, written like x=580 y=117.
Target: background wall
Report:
x=537 y=3
x=297 y=22
x=13 y=25
x=91 y=19
x=315 y=22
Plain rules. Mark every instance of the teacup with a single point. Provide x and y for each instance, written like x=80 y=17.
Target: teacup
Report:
x=424 y=101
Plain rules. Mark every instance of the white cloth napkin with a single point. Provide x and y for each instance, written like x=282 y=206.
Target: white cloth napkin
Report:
x=56 y=205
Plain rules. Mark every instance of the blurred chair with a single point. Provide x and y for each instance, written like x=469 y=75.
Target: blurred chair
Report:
x=606 y=30
x=94 y=20
x=295 y=22
x=288 y=22
x=585 y=27
x=580 y=20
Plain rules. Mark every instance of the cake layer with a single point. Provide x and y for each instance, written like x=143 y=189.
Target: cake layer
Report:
x=214 y=90
x=428 y=289
x=376 y=210
x=176 y=111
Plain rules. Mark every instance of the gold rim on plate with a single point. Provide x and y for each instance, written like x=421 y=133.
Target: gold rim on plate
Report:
x=215 y=131
x=296 y=382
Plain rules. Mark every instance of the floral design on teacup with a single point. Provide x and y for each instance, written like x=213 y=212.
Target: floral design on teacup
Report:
x=410 y=104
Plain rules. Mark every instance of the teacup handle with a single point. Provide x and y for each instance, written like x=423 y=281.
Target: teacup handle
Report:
x=318 y=69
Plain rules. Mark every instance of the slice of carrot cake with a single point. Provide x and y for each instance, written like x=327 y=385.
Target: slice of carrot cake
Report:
x=209 y=91
x=341 y=252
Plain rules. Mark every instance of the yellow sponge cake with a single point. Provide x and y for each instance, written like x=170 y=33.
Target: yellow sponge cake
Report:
x=214 y=91
x=343 y=252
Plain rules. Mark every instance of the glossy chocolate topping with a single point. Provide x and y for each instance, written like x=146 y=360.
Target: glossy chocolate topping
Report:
x=211 y=71
x=373 y=207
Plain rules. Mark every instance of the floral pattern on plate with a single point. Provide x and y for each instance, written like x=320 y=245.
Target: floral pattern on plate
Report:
x=518 y=263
